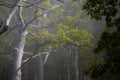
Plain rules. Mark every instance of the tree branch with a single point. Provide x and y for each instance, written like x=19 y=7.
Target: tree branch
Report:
x=5 y=26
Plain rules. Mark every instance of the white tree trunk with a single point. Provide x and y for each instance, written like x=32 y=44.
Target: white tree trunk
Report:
x=19 y=47
x=18 y=55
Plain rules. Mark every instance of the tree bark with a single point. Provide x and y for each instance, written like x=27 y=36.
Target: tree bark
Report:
x=68 y=73
x=19 y=47
x=18 y=55
x=76 y=64
x=40 y=69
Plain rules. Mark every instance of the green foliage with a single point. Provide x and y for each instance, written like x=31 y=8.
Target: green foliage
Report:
x=108 y=8
x=109 y=42
x=96 y=69
x=46 y=4
x=64 y=36
x=67 y=35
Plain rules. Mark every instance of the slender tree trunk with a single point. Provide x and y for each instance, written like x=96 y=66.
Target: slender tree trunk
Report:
x=76 y=64
x=40 y=71
x=68 y=73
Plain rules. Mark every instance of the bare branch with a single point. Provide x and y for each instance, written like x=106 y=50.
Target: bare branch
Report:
x=31 y=4
x=10 y=5
x=5 y=26
x=46 y=57
x=35 y=16
x=11 y=13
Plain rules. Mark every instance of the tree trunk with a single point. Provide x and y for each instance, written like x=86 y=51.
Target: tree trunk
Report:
x=19 y=47
x=39 y=72
x=18 y=55
x=68 y=73
x=76 y=64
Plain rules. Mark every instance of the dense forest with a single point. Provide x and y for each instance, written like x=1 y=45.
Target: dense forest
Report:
x=59 y=39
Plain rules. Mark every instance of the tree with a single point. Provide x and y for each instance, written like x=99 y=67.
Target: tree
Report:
x=109 y=42
x=19 y=49
x=74 y=39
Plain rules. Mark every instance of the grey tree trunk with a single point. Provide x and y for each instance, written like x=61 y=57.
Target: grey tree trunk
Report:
x=68 y=73
x=40 y=71
x=76 y=64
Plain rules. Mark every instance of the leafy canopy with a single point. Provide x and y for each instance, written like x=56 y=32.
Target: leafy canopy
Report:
x=109 y=42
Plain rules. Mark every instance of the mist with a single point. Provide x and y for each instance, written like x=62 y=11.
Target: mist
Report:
x=48 y=40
